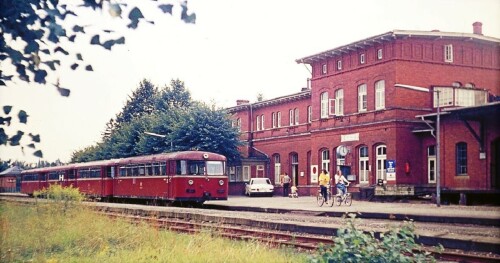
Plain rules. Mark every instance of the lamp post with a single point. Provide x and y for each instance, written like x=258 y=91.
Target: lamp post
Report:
x=161 y=136
x=438 y=122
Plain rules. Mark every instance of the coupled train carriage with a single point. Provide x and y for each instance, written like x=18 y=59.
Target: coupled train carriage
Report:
x=189 y=176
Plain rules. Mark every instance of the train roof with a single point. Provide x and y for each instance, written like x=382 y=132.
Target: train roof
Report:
x=184 y=155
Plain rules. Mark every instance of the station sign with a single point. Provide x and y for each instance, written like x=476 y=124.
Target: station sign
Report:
x=390 y=170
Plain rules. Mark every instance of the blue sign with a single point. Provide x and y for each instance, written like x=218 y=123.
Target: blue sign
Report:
x=391 y=166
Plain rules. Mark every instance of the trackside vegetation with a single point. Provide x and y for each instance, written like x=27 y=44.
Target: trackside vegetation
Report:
x=51 y=231
x=353 y=245
x=61 y=229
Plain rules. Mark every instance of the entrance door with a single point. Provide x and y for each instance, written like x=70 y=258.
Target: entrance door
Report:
x=295 y=169
x=363 y=165
x=431 y=164
x=380 y=162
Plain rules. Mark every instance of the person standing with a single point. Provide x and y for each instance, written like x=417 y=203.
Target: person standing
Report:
x=286 y=184
x=324 y=182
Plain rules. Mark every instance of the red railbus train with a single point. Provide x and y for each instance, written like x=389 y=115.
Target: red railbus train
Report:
x=188 y=176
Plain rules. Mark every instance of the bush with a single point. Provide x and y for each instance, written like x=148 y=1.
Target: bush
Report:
x=353 y=245
x=63 y=198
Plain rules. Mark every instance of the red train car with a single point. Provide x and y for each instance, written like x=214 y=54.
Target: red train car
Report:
x=189 y=176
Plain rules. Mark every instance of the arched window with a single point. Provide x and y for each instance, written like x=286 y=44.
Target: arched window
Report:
x=324 y=104
x=380 y=95
x=325 y=160
x=381 y=152
x=277 y=168
x=363 y=165
x=461 y=158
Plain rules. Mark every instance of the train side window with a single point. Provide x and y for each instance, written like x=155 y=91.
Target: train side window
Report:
x=181 y=166
x=71 y=174
x=123 y=171
x=149 y=169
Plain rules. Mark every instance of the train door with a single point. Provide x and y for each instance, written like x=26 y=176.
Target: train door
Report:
x=431 y=164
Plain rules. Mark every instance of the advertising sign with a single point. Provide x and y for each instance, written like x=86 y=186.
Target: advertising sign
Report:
x=390 y=170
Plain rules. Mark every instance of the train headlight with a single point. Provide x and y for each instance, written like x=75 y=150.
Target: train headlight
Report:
x=221 y=182
x=190 y=182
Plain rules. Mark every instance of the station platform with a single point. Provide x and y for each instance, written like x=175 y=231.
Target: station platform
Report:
x=423 y=212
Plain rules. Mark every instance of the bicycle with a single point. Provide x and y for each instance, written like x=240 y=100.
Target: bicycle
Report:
x=321 y=200
x=343 y=198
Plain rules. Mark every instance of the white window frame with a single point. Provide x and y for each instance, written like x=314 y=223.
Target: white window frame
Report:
x=324 y=69
x=262 y=122
x=380 y=54
x=258 y=122
x=296 y=115
x=431 y=164
x=246 y=173
x=380 y=163
x=279 y=119
x=277 y=169
x=238 y=124
x=363 y=165
x=362 y=98
x=273 y=119
x=339 y=102
x=339 y=64
x=325 y=160
x=380 y=95
x=324 y=104
x=309 y=114
x=448 y=53
x=362 y=58
x=291 y=117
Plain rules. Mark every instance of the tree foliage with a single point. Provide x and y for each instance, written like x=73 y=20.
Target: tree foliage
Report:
x=35 y=39
x=183 y=124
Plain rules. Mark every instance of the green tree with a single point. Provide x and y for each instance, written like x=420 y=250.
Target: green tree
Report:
x=175 y=96
x=207 y=129
x=34 y=39
x=141 y=102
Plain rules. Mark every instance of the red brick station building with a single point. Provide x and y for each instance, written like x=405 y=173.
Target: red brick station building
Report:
x=371 y=111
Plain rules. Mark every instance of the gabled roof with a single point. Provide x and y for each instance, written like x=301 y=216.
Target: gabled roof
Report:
x=391 y=35
x=14 y=170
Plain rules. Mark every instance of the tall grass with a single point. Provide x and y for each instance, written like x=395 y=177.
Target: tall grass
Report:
x=58 y=232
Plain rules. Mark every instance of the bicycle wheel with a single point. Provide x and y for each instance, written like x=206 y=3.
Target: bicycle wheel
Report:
x=348 y=199
x=320 y=199
x=331 y=200
x=338 y=200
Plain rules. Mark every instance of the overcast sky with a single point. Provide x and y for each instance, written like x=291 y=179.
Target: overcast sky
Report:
x=236 y=50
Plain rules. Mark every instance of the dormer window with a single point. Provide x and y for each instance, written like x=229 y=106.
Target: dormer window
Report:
x=362 y=59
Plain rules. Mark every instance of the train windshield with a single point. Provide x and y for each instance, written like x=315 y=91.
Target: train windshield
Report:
x=191 y=167
x=215 y=168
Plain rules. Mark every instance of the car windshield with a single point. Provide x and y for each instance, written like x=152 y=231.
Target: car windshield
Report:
x=261 y=181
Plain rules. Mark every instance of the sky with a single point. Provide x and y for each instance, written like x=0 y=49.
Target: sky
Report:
x=236 y=50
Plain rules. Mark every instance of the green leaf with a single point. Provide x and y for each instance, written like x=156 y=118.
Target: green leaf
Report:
x=35 y=138
x=134 y=16
x=79 y=56
x=3 y=137
x=7 y=109
x=74 y=66
x=5 y=120
x=38 y=154
x=64 y=92
x=166 y=8
x=40 y=76
x=31 y=145
x=89 y=68
x=14 y=140
x=95 y=40
x=23 y=116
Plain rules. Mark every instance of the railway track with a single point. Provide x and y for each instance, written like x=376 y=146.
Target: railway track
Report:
x=278 y=238
x=274 y=234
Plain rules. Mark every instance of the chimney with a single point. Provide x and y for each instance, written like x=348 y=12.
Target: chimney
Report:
x=477 y=28
x=239 y=102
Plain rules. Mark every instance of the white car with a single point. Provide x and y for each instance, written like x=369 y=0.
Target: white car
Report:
x=259 y=186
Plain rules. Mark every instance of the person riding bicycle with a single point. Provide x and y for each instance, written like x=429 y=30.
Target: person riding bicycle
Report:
x=324 y=182
x=341 y=182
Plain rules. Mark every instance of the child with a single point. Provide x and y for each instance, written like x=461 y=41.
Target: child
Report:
x=294 y=193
